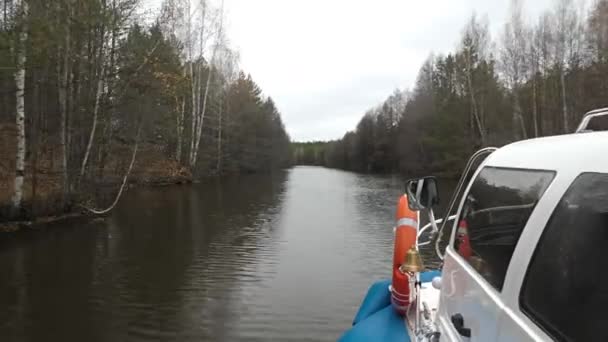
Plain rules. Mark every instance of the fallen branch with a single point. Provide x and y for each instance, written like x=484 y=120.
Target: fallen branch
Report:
x=122 y=186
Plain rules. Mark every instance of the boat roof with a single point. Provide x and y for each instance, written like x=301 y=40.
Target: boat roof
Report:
x=580 y=152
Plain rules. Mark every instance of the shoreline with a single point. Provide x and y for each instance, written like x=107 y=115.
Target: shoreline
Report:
x=41 y=222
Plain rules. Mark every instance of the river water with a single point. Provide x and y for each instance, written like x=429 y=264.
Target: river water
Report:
x=286 y=257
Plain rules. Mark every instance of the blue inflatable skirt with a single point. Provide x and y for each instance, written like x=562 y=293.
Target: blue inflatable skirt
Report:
x=376 y=320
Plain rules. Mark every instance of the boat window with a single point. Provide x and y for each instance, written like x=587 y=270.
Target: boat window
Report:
x=565 y=290
x=494 y=214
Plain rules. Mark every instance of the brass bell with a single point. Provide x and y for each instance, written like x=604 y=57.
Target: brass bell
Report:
x=413 y=261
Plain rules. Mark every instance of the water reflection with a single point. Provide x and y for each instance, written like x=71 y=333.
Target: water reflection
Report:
x=282 y=257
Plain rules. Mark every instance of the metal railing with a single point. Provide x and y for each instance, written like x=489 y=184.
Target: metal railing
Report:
x=582 y=127
x=437 y=233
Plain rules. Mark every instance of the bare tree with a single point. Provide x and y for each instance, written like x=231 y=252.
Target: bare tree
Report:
x=190 y=41
x=98 y=96
x=197 y=89
x=568 y=39
x=173 y=13
x=21 y=57
x=124 y=179
x=180 y=125
x=474 y=46
x=597 y=31
x=81 y=74
x=538 y=60
x=202 y=103
x=513 y=62
x=63 y=72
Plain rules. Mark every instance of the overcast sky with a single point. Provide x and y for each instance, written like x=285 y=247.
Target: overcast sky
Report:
x=325 y=62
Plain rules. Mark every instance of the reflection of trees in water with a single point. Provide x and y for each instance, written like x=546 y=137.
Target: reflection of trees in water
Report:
x=207 y=235
x=242 y=218
x=146 y=273
x=376 y=199
x=46 y=281
x=376 y=196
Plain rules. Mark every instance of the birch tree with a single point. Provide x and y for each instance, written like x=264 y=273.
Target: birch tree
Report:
x=195 y=26
x=98 y=97
x=197 y=88
x=513 y=61
x=190 y=42
x=202 y=97
x=474 y=46
x=203 y=109
x=568 y=37
x=597 y=31
x=93 y=70
x=538 y=60
x=21 y=58
x=63 y=72
x=173 y=13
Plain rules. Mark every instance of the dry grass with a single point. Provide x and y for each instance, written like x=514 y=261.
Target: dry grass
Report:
x=48 y=180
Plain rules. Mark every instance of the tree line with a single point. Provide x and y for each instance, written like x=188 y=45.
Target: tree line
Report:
x=92 y=91
x=536 y=79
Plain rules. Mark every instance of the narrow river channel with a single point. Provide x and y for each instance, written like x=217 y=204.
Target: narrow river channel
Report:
x=286 y=257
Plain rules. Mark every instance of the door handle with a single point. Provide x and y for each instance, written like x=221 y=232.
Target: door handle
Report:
x=458 y=323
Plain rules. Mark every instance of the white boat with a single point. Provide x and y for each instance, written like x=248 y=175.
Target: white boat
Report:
x=526 y=255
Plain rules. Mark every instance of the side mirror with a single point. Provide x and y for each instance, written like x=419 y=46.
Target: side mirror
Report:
x=422 y=193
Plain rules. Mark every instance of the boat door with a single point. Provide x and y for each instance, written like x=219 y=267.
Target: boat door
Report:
x=492 y=214
x=560 y=294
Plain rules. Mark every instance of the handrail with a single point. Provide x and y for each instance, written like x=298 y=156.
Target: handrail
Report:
x=427 y=226
x=582 y=127
x=454 y=198
x=503 y=208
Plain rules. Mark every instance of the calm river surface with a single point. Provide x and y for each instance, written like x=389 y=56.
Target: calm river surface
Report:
x=286 y=257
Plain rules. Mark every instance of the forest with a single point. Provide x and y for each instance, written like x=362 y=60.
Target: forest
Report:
x=537 y=78
x=98 y=94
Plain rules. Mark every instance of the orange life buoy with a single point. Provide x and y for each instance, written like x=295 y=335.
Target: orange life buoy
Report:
x=405 y=232
x=405 y=237
x=400 y=291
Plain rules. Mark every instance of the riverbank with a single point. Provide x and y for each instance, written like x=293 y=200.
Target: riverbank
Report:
x=74 y=211
x=43 y=190
x=77 y=212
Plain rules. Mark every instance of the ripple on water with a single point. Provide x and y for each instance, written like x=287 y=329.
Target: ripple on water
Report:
x=286 y=257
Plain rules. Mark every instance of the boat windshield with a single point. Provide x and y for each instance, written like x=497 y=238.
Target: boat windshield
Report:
x=495 y=212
